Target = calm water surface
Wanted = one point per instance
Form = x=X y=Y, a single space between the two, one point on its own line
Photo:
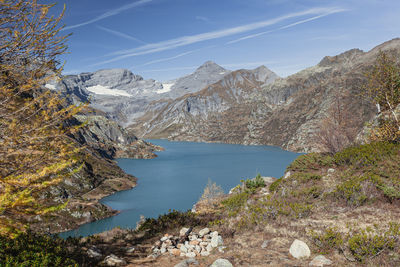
x=177 y=177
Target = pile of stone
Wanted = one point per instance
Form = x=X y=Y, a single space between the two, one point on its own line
x=188 y=243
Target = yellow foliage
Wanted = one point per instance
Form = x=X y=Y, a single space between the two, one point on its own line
x=36 y=151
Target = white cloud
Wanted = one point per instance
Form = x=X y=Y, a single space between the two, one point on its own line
x=176 y=56
x=202 y=18
x=109 y=13
x=284 y=27
x=121 y=34
x=186 y=40
x=168 y=58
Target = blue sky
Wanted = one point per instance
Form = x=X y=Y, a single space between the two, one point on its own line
x=165 y=39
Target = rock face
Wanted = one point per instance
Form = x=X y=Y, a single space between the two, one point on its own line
x=124 y=95
x=111 y=140
x=256 y=107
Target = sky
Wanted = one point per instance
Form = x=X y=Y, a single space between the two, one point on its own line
x=166 y=39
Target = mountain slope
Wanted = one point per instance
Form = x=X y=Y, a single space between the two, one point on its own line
x=286 y=113
x=180 y=118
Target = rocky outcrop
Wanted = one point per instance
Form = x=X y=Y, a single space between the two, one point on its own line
x=287 y=112
x=111 y=140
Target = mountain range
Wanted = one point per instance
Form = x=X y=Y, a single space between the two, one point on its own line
x=243 y=106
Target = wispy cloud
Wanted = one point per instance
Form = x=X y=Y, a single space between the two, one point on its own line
x=284 y=27
x=169 y=69
x=186 y=40
x=167 y=58
x=121 y=34
x=176 y=56
x=202 y=18
x=109 y=13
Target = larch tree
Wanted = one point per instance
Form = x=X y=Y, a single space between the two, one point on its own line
x=383 y=87
x=35 y=150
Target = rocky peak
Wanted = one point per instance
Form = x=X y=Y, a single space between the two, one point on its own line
x=210 y=67
x=263 y=74
x=349 y=55
x=116 y=76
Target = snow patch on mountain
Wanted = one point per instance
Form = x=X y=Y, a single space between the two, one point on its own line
x=166 y=88
x=105 y=90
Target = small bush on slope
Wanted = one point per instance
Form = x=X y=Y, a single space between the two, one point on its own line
x=41 y=250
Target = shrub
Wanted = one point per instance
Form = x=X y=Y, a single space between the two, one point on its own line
x=171 y=220
x=368 y=243
x=328 y=240
x=366 y=155
x=235 y=203
x=41 y=250
x=275 y=185
x=311 y=161
x=253 y=184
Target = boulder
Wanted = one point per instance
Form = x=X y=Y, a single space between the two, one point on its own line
x=216 y=241
x=320 y=261
x=183 y=231
x=94 y=253
x=221 y=263
x=187 y=262
x=191 y=254
x=112 y=260
x=203 y=232
x=299 y=249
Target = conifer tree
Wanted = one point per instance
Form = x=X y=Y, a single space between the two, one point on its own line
x=383 y=87
x=35 y=150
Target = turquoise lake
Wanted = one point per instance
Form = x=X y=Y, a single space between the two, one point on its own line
x=177 y=177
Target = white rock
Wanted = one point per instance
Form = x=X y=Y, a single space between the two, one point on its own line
x=191 y=255
x=183 y=231
x=216 y=241
x=221 y=249
x=205 y=253
x=93 y=253
x=299 y=249
x=215 y=233
x=286 y=175
x=265 y=244
x=203 y=232
x=320 y=261
x=112 y=260
x=209 y=248
x=164 y=238
x=221 y=263
x=130 y=250
x=163 y=250
x=184 y=249
x=330 y=170
x=187 y=262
